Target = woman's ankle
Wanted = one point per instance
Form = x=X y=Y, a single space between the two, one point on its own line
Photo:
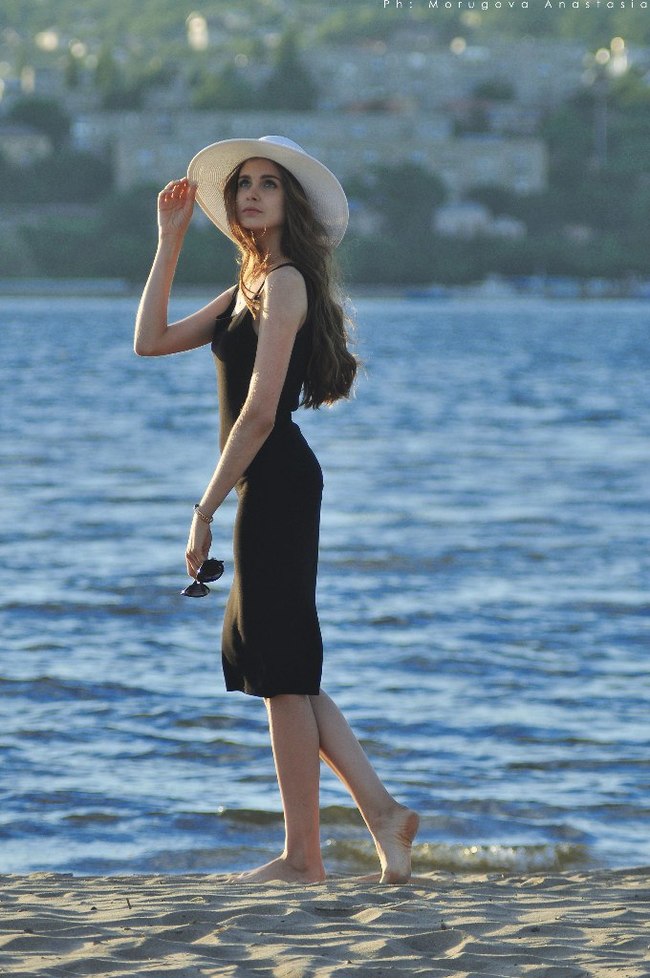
x=303 y=862
x=385 y=815
x=282 y=869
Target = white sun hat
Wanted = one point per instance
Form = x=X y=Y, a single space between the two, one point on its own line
x=212 y=165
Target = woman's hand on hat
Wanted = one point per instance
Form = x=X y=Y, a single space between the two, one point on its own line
x=175 y=206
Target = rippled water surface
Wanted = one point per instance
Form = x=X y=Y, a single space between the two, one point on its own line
x=483 y=593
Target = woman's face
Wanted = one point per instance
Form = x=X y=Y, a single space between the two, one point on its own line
x=260 y=196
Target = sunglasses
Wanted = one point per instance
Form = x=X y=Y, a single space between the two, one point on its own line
x=210 y=571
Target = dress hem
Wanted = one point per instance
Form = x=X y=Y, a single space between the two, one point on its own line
x=276 y=692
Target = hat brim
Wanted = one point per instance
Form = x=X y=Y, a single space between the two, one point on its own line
x=211 y=167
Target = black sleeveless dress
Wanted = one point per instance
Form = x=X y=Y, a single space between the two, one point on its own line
x=271 y=641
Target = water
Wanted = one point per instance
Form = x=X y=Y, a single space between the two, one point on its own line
x=483 y=593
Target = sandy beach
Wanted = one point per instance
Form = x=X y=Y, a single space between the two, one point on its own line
x=548 y=926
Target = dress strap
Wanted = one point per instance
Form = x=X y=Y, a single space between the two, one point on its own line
x=231 y=305
x=283 y=265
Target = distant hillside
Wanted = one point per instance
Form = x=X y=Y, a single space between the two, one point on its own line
x=159 y=25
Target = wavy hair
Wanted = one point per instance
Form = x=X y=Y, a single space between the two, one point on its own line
x=332 y=367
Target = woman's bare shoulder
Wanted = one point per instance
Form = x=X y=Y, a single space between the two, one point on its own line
x=284 y=296
x=287 y=280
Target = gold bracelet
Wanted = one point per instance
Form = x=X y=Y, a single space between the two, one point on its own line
x=201 y=515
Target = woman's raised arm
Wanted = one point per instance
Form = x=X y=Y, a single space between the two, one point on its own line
x=154 y=336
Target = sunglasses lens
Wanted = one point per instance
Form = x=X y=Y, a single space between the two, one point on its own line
x=195 y=590
x=210 y=570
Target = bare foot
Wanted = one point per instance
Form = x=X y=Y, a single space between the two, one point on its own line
x=281 y=869
x=393 y=838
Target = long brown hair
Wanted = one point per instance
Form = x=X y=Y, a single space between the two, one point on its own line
x=332 y=367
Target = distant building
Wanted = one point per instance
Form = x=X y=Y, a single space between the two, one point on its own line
x=467 y=219
x=500 y=117
x=517 y=164
x=541 y=71
x=505 y=226
x=463 y=219
x=364 y=220
x=154 y=147
x=21 y=144
x=513 y=118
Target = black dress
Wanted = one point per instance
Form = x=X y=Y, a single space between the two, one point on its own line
x=271 y=635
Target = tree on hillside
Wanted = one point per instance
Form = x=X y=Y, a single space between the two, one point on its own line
x=108 y=76
x=43 y=114
x=405 y=195
x=72 y=71
x=48 y=180
x=290 y=85
x=569 y=134
x=111 y=82
x=495 y=89
x=574 y=128
x=629 y=126
x=227 y=90
x=541 y=212
x=631 y=91
x=124 y=87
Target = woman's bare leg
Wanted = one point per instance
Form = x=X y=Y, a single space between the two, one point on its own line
x=295 y=742
x=392 y=826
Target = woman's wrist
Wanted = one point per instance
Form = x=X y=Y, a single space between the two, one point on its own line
x=170 y=242
x=170 y=245
x=202 y=515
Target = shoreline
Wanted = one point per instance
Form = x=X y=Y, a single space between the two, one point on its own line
x=553 y=925
x=491 y=288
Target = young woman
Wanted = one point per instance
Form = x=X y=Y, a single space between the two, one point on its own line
x=279 y=340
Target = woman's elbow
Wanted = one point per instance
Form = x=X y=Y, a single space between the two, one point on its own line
x=265 y=424
x=142 y=350
x=261 y=421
